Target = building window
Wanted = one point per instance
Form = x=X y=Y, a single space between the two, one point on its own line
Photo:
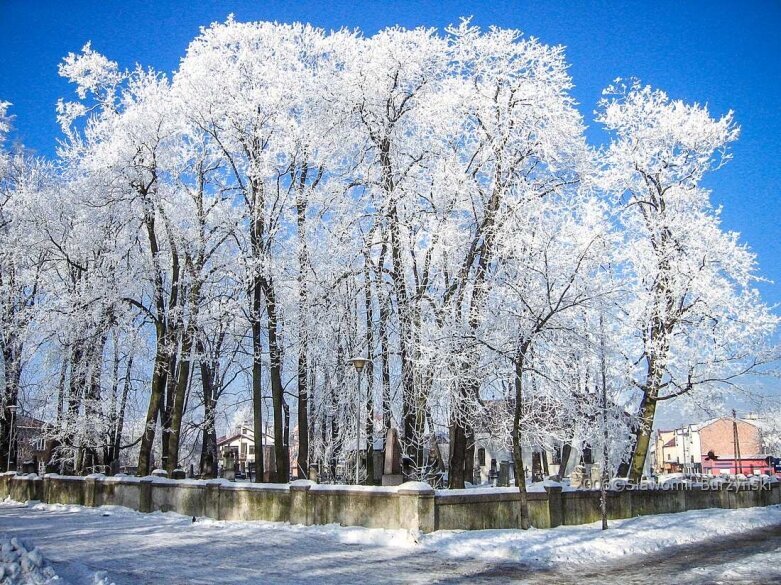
x=252 y=449
x=243 y=449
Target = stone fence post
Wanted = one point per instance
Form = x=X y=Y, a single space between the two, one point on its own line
x=145 y=494
x=211 y=504
x=91 y=489
x=299 y=502
x=5 y=483
x=555 y=505
x=416 y=506
x=25 y=488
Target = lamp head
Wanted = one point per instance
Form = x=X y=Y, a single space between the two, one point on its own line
x=359 y=363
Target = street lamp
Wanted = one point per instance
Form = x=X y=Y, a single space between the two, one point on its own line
x=12 y=408
x=359 y=363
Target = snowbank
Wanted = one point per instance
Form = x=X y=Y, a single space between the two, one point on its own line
x=588 y=544
x=21 y=564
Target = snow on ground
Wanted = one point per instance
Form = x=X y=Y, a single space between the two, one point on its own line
x=155 y=548
x=586 y=544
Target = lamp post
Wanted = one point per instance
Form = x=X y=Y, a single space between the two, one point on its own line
x=358 y=363
x=12 y=408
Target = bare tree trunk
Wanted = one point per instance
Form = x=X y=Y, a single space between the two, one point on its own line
x=385 y=374
x=282 y=454
x=209 y=457
x=303 y=346
x=479 y=256
x=162 y=363
x=409 y=401
x=180 y=393
x=118 y=429
x=334 y=417
x=159 y=380
x=303 y=409
x=10 y=396
x=94 y=362
x=642 y=438
x=369 y=374
x=642 y=434
x=458 y=449
x=520 y=475
x=71 y=449
x=108 y=447
x=257 y=387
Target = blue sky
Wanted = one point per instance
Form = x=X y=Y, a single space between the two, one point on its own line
x=726 y=54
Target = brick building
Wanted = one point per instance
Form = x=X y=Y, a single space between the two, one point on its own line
x=711 y=448
x=717 y=436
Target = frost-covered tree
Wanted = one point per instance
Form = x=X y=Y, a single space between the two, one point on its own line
x=694 y=320
x=291 y=198
x=22 y=180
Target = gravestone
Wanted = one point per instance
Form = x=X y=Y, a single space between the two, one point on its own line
x=504 y=474
x=178 y=473
x=391 y=472
x=378 y=460
x=159 y=473
x=577 y=477
x=596 y=474
x=229 y=469
x=537 y=474
x=493 y=474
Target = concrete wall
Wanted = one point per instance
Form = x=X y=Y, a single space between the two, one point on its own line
x=477 y=509
x=413 y=505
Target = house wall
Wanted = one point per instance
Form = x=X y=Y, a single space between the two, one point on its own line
x=718 y=437
x=412 y=506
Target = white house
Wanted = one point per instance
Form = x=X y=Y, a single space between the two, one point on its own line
x=241 y=443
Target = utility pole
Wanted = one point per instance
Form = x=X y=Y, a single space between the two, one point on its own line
x=736 y=443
